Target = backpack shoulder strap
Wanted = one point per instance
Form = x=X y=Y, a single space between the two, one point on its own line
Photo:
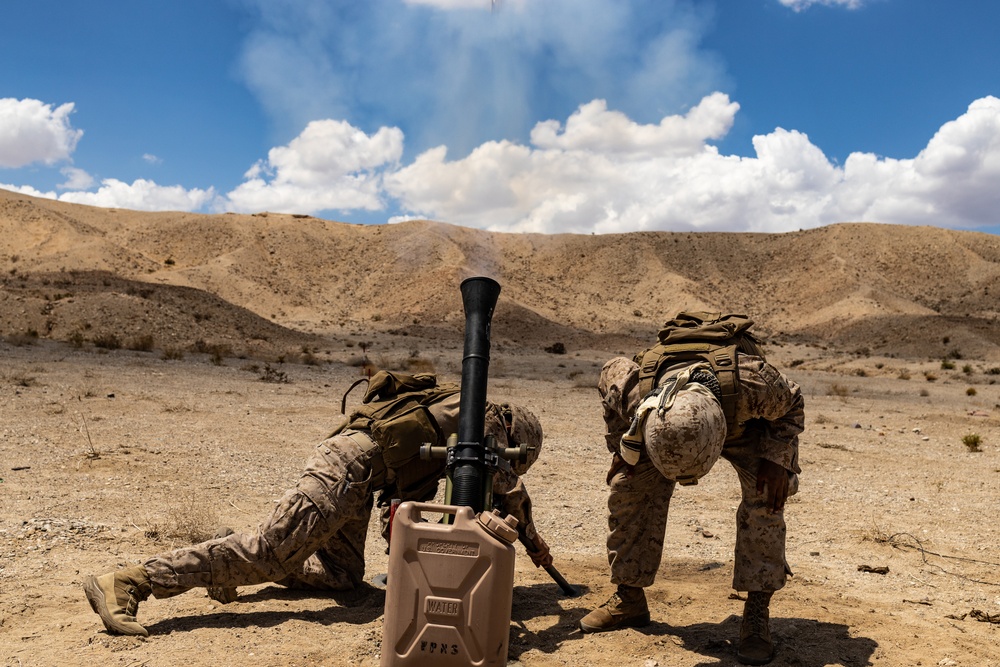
x=715 y=338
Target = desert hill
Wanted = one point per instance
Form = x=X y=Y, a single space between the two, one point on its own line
x=108 y=457
x=266 y=283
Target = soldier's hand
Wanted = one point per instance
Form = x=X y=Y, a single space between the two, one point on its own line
x=775 y=479
x=541 y=556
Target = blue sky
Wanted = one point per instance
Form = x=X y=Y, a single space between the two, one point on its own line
x=532 y=115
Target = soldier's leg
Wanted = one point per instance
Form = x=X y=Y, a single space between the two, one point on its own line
x=760 y=534
x=637 y=521
x=760 y=566
x=334 y=488
x=339 y=565
x=638 y=505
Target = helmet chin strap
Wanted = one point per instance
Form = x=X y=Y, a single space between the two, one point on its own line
x=691 y=378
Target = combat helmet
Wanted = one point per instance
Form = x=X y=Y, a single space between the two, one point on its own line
x=525 y=430
x=684 y=432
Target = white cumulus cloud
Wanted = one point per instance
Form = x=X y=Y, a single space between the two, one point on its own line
x=141 y=195
x=951 y=183
x=330 y=165
x=32 y=131
x=602 y=172
x=76 y=179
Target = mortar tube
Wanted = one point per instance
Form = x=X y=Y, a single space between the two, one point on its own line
x=468 y=473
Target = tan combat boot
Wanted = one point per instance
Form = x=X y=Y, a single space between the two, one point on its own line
x=115 y=597
x=625 y=609
x=756 y=647
x=218 y=593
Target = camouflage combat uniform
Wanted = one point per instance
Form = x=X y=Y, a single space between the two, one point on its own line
x=315 y=537
x=771 y=408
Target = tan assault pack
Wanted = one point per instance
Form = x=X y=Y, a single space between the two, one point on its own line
x=394 y=409
x=702 y=336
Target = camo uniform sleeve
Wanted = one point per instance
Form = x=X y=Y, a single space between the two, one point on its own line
x=509 y=491
x=775 y=400
x=617 y=388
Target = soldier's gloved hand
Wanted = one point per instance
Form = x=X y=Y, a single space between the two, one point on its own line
x=775 y=479
x=541 y=556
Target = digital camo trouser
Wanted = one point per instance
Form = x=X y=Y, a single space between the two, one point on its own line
x=638 y=505
x=314 y=538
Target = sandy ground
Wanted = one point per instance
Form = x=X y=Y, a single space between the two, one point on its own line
x=109 y=457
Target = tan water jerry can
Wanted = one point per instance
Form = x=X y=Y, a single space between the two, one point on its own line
x=449 y=588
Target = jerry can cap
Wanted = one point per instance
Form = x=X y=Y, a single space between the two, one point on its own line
x=503 y=528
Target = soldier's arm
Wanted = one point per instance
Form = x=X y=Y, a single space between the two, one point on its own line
x=768 y=395
x=511 y=496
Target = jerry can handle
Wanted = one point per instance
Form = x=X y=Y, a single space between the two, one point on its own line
x=414 y=510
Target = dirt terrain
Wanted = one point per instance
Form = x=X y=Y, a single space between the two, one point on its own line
x=230 y=365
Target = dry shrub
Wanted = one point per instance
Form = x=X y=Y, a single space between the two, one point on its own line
x=216 y=352
x=274 y=375
x=107 y=341
x=837 y=389
x=972 y=442
x=22 y=340
x=172 y=354
x=875 y=534
x=142 y=343
x=20 y=380
x=190 y=520
x=219 y=353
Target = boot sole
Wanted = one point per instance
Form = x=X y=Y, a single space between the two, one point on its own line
x=634 y=622
x=95 y=596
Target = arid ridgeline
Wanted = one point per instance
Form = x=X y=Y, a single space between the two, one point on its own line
x=267 y=282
